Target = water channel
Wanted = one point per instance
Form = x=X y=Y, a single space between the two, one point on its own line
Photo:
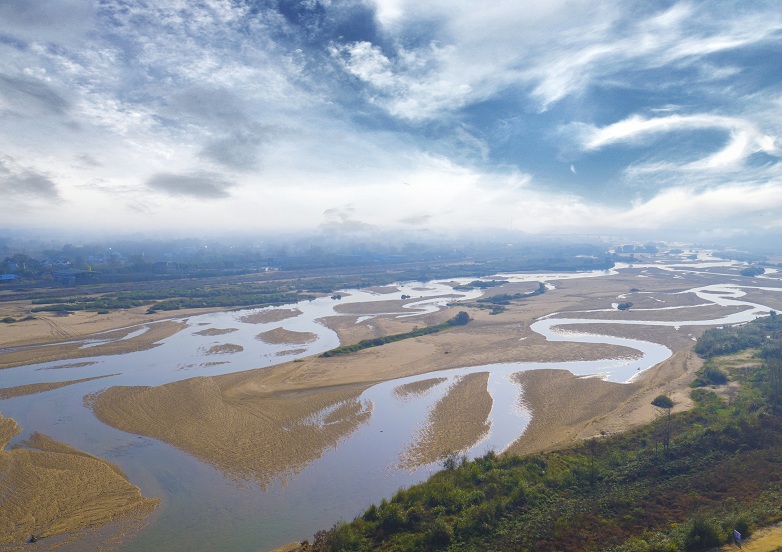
x=202 y=509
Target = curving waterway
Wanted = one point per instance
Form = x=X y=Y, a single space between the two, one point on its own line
x=202 y=509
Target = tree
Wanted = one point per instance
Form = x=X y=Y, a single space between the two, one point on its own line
x=664 y=402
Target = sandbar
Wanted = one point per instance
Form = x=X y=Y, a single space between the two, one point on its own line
x=51 y=489
x=235 y=424
x=416 y=388
x=216 y=331
x=34 y=388
x=271 y=315
x=456 y=422
x=33 y=354
x=281 y=335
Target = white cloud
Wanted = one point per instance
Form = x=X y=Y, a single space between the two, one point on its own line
x=745 y=138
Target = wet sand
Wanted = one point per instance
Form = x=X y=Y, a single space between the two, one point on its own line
x=417 y=388
x=33 y=388
x=216 y=331
x=458 y=420
x=41 y=353
x=567 y=408
x=279 y=336
x=49 y=327
x=51 y=489
x=266 y=316
x=238 y=424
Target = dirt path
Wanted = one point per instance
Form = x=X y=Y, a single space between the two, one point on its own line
x=765 y=539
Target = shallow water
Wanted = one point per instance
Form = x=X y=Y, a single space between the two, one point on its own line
x=204 y=510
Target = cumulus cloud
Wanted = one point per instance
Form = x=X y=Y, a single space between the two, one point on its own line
x=406 y=87
x=202 y=185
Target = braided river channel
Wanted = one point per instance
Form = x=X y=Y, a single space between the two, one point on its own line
x=204 y=509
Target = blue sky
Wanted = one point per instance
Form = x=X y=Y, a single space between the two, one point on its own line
x=660 y=119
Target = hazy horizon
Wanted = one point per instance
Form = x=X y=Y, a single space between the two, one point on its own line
x=380 y=117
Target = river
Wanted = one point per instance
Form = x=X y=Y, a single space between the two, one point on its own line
x=202 y=509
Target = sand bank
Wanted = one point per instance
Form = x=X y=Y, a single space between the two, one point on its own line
x=281 y=335
x=50 y=489
x=116 y=345
x=241 y=422
x=46 y=327
x=237 y=424
x=33 y=388
x=224 y=349
x=567 y=408
x=709 y=312
x=416 y=388
x=456 y=422
x=216 y=331
x=267 y=316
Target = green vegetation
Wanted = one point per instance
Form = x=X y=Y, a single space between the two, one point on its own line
x=480 y=285
x=459 y=320
x=624 y=306
x=506 y=298
x=89 y=303
x=12 y=320
x=753 y=271
x=721 y=469
x=763 y=332
x=174 y=298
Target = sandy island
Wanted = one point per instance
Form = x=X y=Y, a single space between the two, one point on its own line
x=459 y=419
x=279 y=336
x=50 y=489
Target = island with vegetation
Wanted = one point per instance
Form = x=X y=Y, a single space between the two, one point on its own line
x=459 y=320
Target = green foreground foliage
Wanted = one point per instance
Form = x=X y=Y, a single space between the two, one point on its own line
x=721 y=470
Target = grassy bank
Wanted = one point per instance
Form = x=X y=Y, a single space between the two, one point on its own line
x=459 y=320
x=721 y=471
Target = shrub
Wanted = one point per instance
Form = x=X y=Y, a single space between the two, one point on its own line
x=702 y=533
x=440 y=534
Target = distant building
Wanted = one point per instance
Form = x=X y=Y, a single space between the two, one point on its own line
x=72 y=276
x=5 y=278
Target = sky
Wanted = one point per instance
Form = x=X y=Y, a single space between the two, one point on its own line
x=657 y=119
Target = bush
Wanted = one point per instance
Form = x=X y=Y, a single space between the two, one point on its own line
x=702 y=533
x=710 y=375
x=440 y=534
